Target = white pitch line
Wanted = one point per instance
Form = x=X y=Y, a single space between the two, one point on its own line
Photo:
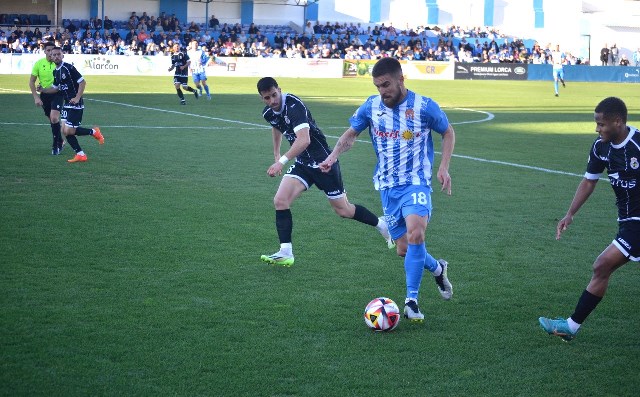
x=489 y=116
x=176 y=112
x=528 y=167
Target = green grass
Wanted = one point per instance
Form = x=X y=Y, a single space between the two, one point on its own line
x=138 y=272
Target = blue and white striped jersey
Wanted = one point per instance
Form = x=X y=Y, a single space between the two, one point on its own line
x=401 y=138
x=196 y=64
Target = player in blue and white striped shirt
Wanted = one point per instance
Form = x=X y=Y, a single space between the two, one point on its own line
x=400 y=124
x=558 y=58
x=198 y=63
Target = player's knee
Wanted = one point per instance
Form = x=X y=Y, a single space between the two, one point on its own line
x=601 y=267
x=415 y=236
x=280 y=203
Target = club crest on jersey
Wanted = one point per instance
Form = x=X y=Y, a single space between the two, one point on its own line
x=409 y=114
x=286 y=120
x=634 y=164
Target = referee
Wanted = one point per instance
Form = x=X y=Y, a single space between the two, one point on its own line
x=51 y=103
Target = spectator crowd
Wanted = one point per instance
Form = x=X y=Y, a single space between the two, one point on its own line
x=150 y=35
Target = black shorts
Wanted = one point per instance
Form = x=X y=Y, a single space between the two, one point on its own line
x=180 y=80
x=72 y=116
x=330 y=182
x=628 y=240
x=51 y=102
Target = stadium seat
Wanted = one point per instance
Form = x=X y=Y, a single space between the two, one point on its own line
x=24 y=18
x=44 y=19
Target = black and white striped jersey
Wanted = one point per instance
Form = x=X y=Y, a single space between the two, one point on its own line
x=178 y=60
x=622 y=163
x=294 y=116
x=67 y=79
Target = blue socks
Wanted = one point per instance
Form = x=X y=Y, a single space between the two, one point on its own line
x=430 y=263
x=414 y=263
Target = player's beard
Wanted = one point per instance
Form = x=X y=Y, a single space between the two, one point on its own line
x=392 y=100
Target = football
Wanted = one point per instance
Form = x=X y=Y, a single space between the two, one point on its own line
x=382 y=314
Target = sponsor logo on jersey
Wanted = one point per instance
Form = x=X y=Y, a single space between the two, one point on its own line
x=407 y=135
x=385 y=134
x=623 y=183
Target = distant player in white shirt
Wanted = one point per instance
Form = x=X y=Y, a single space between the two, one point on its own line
x=199 y=60
x=558 y=58
x=400 y=124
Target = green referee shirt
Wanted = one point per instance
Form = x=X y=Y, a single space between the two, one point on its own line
x=43 y=70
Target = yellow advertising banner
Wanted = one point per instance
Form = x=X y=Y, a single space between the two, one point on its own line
x=419 y=70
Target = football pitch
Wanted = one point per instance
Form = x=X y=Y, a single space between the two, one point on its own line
x=138 y=272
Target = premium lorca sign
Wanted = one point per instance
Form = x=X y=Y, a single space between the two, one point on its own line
x=490 y=71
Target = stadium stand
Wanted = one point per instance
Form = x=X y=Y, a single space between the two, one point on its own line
x=337 y=40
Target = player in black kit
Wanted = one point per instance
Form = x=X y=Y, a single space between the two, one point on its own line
x=618 y=151
x=180 y=62
x=289 y=116
x=70 y=83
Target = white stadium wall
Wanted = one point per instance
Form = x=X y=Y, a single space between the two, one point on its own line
x=344 y=11
x=74 y=9
x=408 y=13
x=225 y=12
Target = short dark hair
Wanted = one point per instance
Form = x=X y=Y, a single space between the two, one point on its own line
x=612 y=107
x=56 y=48
x=386 y=66
x=49 y=44
x=266 y=83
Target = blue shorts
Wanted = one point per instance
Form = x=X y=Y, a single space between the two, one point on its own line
x=202 y=76
x=399 y=202
x=628 y=240
x=558 y=72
